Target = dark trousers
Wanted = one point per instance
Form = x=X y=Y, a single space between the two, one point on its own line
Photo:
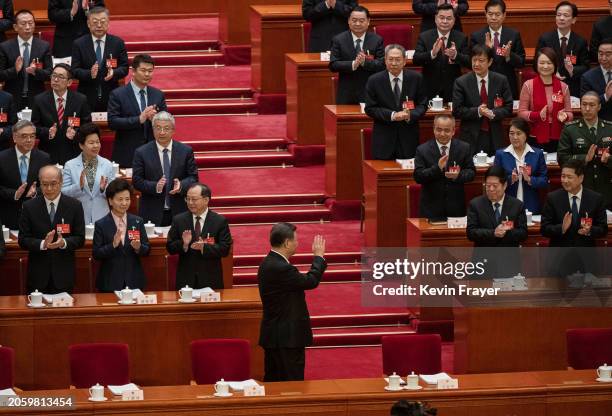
x=284 y=364
x=166 y=218
x=550 y=147
x=484 y=143
x=50 y=289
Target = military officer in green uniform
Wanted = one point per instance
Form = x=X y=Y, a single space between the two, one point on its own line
x=590 y=139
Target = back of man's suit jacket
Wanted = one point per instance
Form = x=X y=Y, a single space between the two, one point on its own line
x=326 y=22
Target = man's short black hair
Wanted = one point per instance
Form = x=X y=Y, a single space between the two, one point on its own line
x=362 y=10
x=86 y=130
x=204 y=189
x=406 y=408
x=23 y=11
x=496 y=171
x=605 y=41
x=493 y=3
x=65 y=67
x=479 y=49
x=445 y=6
x=281 y=232
x=116 y=186
x=577 y=165
x=571 y=5
x=142 y=58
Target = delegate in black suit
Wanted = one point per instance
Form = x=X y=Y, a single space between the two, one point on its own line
x=394 y=139
x=14 y=81
x=44 y=116
x=481 y=222
x=442 y=197
x=466 y=100
x=8 y=117
x=577 y=46
x=602 y=29
x=439 y=73
x=593 y=80
x=147 y=171
x=351 y=84
x=326 y=22
x=2 y=245
x=7 y=18
x=286 y=322
x=123 y=117
x=84 y=57
x=55 y=267
x=427 y=9
x=119 y=266
x=10 y=180
x=200 y=269
x=68 y=27
x=500 y=64
x=557 y=205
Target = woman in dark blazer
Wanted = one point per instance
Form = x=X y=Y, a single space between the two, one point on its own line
x=525 y=166
x=119 y=240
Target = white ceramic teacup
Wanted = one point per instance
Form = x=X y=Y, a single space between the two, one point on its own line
x=481 y=158
x=436 y=103
x=126 y=296
x=96 y=392
x=89 y=231
x=6 y=233
x=150 y=229
x=222 y=388
x=412 y=381
x=604 y=372
x=362 y=106
x=115 y=169
x=186 y=294
x=25 y=114
x=394 y=382
x=35 y=298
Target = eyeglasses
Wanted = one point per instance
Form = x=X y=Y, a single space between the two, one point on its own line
x=100 y=22
x=163 y=129
x=58 y=77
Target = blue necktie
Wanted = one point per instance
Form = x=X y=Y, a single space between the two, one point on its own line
x=497 y=213
x=51 y=212
x=99 y=51
x=575 y=217
x=26 y=63
x=168 y=178
x=143 y=100
x=23 y=169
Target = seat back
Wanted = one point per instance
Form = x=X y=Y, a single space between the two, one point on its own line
x=393 y=33
x=215 y=359
x=104 y=363
x=7 y=368
x=366 y=144
x=414 y=200
x=171 y=267
x=403 y=354
x=589 y=347
x=93 y=267
x=306 y=27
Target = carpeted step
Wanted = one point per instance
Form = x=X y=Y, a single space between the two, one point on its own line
x=273 y=214
x=333 y=273
x=299 y=258
x=148 y=46
x=356 y=336
x=389 y=319
x=212 y=106
x=260 y=200
x=202 y=76
x=236 y=144
x=200 y=93
x=189 y=57
x=243 y=159
x=166 y=28
x=228 y=127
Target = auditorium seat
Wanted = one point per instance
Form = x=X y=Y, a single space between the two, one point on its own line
x=403 y=354
x=306 y=27
x=216 y=359
x=400 y=34
x=104 y=363
x=589 y=347
x=444 y=328
x=7 y=367
x=366 y=154
x=93 y=267
x=171 y=266
x=414 y=198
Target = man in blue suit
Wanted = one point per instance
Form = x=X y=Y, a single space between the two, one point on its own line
x=163 y=170
x=599 y=79
x=131 y=109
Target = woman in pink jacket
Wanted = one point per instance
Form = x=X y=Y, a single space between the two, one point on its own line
x=545 y=102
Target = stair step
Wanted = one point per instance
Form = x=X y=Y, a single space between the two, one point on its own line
x=243 y=159
x=357 y=336
x=236 y=144
x=189 y=57
x=333 y=273
x=274 y=214
x=198 y=93
x=389 y=319
x=206 y=106
x=171 y=45
x=259 y=200
x=246 y=260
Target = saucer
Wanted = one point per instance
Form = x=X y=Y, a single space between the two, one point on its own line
x=413 y=388
x=91 y=399
x=181 y=300
x=390 y=389
x=481 y=165
x=604 y=380
x=130 y=303
x=433 y=109
x=31 y=305
x=223 y=395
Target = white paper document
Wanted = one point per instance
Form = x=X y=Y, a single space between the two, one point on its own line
x=49 y=298
x=240 y=385
x=118 y=390
x=8 y=392
x=197 y=293
x=433 y=378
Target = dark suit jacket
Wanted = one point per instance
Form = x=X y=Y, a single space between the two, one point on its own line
x=8 y=18
x=84 y=57
x=44 y=115
x=466 y=100
x=602 y=29
x=326 y=23
x=427 y=8
x=399 y=138
x=576 y=45
x=200 y=269
x=442 y=197
x=123 y=117
x=67 y=28
x=351 y=84
x=286 y=322
x=440 y=73
x=481 y=222
x=557 y=205
x=10 y=180
x=7 y=106
x=2 y=245
x=500 y=65
x=13 y=81
x=58 y=264
x=119 y=266
x=148 y=170
x=593 y=80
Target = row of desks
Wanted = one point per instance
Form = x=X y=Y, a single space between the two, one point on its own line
x=554 y=393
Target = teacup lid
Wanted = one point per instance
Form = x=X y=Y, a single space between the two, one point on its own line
x=188 y=288
x=127 y=289
x=606 y=367
x=394 y=375
x=97 y=386
x=221 y=382
x=36 y=292
x=412 y=373
x=481 y=153
x=436 y=98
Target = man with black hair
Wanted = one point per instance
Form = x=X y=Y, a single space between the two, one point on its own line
x=406 y=408
x=602 y=29
x=427 y=9
x=285 y=327
x=70 y=18
x=599 y=79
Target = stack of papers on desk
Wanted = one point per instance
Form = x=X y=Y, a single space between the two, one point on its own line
x=197 y=293
x=49 y=298
x=7 y=392
x=434 y=378
x=118 y=390
x=240 y=385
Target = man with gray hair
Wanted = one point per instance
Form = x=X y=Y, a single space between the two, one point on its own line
x=69 y=17
x=396 y=100
x=19 y=168
x=163 y=170
x=99 y=60
x=51 y=229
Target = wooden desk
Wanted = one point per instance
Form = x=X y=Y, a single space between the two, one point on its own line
x=552 y=393
x=276 y=29
x=158 y=335
x=13 y=277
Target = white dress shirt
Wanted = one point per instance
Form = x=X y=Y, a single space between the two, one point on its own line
x=561 y=35
x=64 y=101
x=493 y=32
x=22 y=47
x=160 y=152
x=501 y=206
x=355 y=46
x=48 y=204
x=399 y=83
x=578 y=200
x=102 y=44
x=202 y=219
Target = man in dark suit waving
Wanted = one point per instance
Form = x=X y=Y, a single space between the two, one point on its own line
x=51 y=229
x=599 y=79
x=396 y=100
x=328 y=18
x=131 y=109
x=163 y=171
x=99 y=60
x=509 y=54
x=356 y=54
x=201 y=238
x=285 y=327
x=481 y=100
x=70 y=18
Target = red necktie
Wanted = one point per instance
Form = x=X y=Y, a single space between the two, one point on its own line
x=484 y=99
x=198 y=228
x=563 y=47
x=60 y=110
x=496 y=41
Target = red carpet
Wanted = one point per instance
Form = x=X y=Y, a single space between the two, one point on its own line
x=231 y=127
x=238 y=76
x=168 y=29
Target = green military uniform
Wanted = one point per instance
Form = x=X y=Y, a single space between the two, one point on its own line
x=576 y=139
